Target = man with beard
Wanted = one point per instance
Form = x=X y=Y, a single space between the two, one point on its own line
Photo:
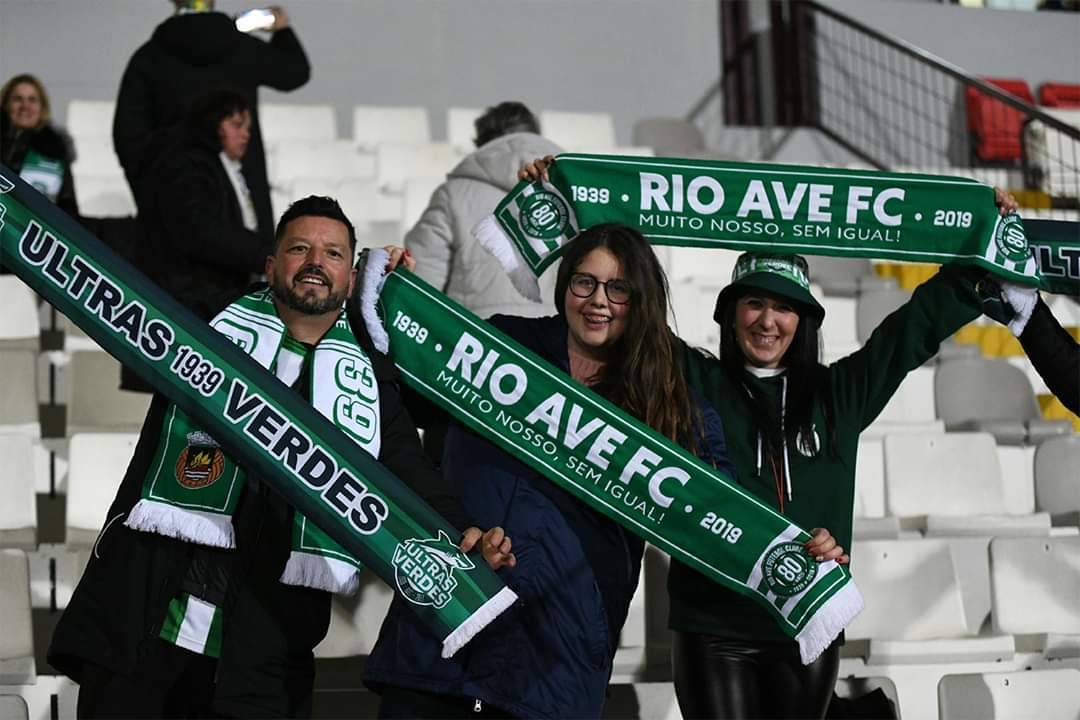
x=168 y=621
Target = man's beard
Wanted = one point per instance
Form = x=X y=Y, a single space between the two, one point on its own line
x=308 y=304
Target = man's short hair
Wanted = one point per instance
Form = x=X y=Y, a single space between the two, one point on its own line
x=315 y=206
x=503 y=119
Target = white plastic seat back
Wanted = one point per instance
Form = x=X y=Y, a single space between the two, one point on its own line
x=949 y=474
x=98 y=462
x=17 y=638
x=910 y=589
x=90 y=118
x=397 y=162
x=18 y=509
x=870 y=478
x=1042 y=694
x=290 y=121
x=334 y=159
x=19 y=325
x=913 y=401
x=1035 y=584
x=355 y=620
x=18 y=393
x=579 y=131
x=415 y=199
x=1057 y=465
x=96 y=401
x=375 y=124
x=104 y=195
x=461 y=127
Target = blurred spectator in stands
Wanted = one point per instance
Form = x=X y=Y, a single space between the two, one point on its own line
x=30 y=145
x=197 y=222
x=194 y=51
x=507 y=137
x=1052 y=351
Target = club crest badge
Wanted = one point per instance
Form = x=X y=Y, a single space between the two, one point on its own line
x=201 y=463
x=424 y=569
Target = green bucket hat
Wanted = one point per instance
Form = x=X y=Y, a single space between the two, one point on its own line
x=783 y=275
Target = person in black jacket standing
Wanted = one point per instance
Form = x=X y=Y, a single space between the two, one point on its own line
x=121 y=637
x=197 y=230
x=195 y=51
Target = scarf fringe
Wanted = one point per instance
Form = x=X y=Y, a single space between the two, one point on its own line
x=478 y=621
x=371 y=283
x=194 y=526
x=828 y=621
x=321 y=573
x=492 y=238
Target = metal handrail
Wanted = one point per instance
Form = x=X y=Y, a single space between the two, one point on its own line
x=945 y=66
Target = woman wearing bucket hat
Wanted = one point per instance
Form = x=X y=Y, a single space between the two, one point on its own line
x=792 y=426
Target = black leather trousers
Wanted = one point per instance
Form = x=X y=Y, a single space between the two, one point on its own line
x=727 y=678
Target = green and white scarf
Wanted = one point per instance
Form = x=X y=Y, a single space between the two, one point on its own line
x=193 y=488
x=44 y=174
x=268 y=428
x=610 y=460
x=756 y=206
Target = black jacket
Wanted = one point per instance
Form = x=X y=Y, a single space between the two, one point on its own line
x=266 y=667
x=47 y=142
x=1054 y=354
x=189 y=56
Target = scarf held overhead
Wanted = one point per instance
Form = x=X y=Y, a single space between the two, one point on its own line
x=744 y=206
x=613 y=462
x=265 y=426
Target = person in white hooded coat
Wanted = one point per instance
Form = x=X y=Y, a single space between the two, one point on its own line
x=447 y=255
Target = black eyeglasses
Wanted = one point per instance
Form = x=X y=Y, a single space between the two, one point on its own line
x=584 y=285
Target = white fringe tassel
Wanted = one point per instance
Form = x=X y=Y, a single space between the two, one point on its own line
x=491 y=237
x=191 y=525
x=478 y=621
x=321 y=573
x=371 y=284
x=827 y=623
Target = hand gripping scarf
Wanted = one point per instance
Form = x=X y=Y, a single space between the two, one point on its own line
x=260 y=423
x=772 y=208
x=610 y=460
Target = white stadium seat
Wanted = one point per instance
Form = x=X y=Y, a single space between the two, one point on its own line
x=461 y=128
x=290 y=121
x=18 y=509
x=96 y=403
x=375 y=124
x=90 y=118
x=98 y=462
x=1044 y=694
x=335 y=159
x=104 y=195
x=355 y=620
x=19 y=324
x=397 y=162
x=579 y=131
x=18 y=393
x=416 y=198
x=16 y=641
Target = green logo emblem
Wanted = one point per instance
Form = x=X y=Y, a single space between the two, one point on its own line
x=788 y=569
x=1010 y=239
x=544 y=215
x=424 y=570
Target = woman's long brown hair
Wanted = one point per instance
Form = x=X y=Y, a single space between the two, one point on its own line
x=642 y=375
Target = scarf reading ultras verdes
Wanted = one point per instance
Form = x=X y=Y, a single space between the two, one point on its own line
x=770 y=208
x=261 y=423
x=609 y=460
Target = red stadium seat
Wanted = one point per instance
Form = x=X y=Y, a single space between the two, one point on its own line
x=996 y=126
x=1063 y=95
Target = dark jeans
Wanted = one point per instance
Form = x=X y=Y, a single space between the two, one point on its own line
x=726 y=678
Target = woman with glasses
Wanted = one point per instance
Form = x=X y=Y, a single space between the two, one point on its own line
x=576 y=570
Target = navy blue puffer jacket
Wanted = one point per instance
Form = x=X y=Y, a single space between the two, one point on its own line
x=550 y=655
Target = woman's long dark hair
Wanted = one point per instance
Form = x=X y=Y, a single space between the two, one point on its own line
x=808 y=384
x=641 y=375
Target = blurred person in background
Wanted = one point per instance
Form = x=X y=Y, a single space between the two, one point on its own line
x=198 y=236
x=507 y=137
x=192 y=52
x=32 y=146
